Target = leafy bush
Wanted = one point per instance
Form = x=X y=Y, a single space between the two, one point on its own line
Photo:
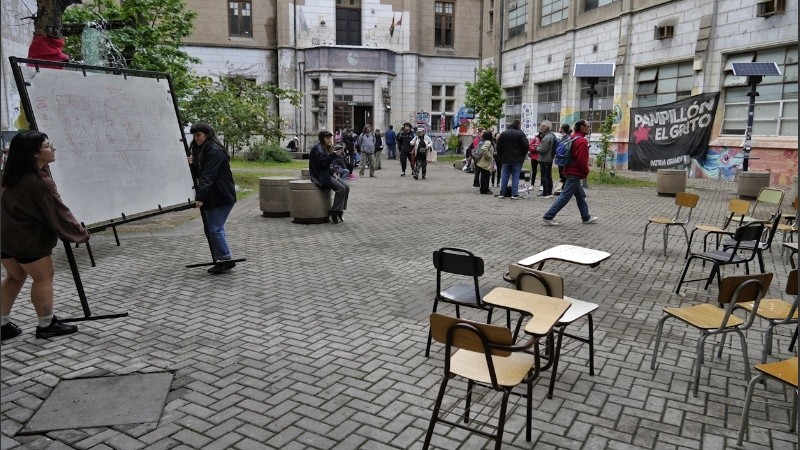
x=453 y=143
x=263 y=151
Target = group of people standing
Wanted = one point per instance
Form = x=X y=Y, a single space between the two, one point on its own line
x=508 y=152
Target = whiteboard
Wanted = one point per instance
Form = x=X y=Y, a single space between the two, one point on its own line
x=118 y=142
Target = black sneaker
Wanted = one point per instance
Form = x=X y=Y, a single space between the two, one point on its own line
x=9 y=330
x=222 y=266
x=55 y=328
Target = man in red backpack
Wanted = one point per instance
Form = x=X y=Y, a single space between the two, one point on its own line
x=576 y=170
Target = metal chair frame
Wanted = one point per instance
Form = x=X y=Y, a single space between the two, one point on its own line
x=682 y=200
x=763 y=243
x=750 y=231
x=736 y=207
x=737 y=285
x=777 y=371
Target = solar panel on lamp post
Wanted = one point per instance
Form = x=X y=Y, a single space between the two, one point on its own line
x=754 y=71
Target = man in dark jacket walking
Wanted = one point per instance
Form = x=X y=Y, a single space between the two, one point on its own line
x=512 y=148
x=575 y=171
x=404 y=145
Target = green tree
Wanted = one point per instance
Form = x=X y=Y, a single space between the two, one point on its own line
x=605 y=140
x=485 y=98
x=238 y=109
x=149 y=39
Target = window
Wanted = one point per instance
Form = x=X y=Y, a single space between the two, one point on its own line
x=240 y=18
x=517 y=17
x=436 y=122
x=548 y=105
x=776 y=105
x=603 y=100
x=514 y=96
x=443 y=99
x=348 y=22
x=664 y=84
x=594 y=4
x=554 y=11
x=444 y=22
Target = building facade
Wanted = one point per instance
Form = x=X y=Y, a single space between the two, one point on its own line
x=393 y=61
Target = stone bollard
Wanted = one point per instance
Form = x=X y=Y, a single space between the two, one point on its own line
x=273 y=196
x=749 y=184
x=308 y=203
x=670 y=181
x=305 y=174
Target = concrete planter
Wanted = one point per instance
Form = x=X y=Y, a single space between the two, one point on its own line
x=273 y=196
x=308 y=203
x=305 y=174
x=750 y=183
x=670 y=181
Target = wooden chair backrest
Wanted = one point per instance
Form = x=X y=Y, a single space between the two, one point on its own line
x=791 y=283
x=457 y=261
x=539 y=282
x=748 y=292
x=467 y=339
x=686 y=199
x=738 y=206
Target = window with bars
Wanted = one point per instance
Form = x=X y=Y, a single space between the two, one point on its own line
x=348 y=22
x=240 y=18
x=436 y=122
x=603 y=100
x=443 y=99
x=776 y=105
x=517 y=17
x=548 y=103
x=444 y=23
x=554 y=11
x=664 y=84
x=594 y=4
x=514 y=96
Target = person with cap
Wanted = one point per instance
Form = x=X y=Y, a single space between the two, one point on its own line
x=319 y=168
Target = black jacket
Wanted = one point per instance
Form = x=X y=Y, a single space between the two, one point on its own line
x=512 y=146
x=319 y=166
x=404 y=141
x=214 y=180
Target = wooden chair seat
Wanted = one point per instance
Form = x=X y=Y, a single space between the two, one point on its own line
x=510 y=370
x=711 y=229
x=705 y=316
x=683 y=200
x=578 y=309
x=785 y=370
x=665 y=220
x=771 y=309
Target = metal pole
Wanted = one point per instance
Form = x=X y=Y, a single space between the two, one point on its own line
x=751 y=109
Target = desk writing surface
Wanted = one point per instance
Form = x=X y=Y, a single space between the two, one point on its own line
x=569 y=253
x=790 y=245
x=545 y=311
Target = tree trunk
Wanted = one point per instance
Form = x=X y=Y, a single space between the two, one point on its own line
x=48 y=17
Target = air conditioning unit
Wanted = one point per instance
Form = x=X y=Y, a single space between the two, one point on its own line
x=770 y=7
x=665 y=32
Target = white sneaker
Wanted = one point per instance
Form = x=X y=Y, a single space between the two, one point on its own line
x=590 y=221
x=541 y=188
x=550 y=222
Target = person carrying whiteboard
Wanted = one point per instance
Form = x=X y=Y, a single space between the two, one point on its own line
x=215 y=192
x=32 y=219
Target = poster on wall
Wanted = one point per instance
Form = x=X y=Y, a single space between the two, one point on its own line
x=662 y=136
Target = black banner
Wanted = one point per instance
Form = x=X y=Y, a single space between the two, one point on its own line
x=661 y=136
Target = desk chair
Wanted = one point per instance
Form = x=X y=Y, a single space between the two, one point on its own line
x=682 y=200
x=711 y=320
x=784 y=371
x=552 y=285
x=777 y=312
x=758 y=245
x=748 y=232
x=485 y=355
x=767 y=203
x=736 y=208
x=461 y=262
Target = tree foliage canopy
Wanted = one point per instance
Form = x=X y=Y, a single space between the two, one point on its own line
x=485 y=98
x=238 y=109
x=150 y=39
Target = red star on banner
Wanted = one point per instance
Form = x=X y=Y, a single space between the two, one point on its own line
x=641 y=134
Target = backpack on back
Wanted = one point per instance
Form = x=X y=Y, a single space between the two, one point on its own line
x=477 y=152
x=563 y=154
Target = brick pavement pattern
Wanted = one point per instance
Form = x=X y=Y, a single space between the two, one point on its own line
x=317 y=341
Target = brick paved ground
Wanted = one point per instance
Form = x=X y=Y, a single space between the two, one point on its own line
x=317 y=340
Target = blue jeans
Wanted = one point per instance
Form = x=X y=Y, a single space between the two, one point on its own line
x=392 y=149
x=513 y=169
x=571 y=187
x=215 y=230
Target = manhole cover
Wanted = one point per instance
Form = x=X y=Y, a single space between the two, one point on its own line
x=102 y=401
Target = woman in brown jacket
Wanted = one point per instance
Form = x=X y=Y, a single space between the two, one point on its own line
x=32 y=219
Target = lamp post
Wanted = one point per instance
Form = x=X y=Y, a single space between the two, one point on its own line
x=754 y=71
